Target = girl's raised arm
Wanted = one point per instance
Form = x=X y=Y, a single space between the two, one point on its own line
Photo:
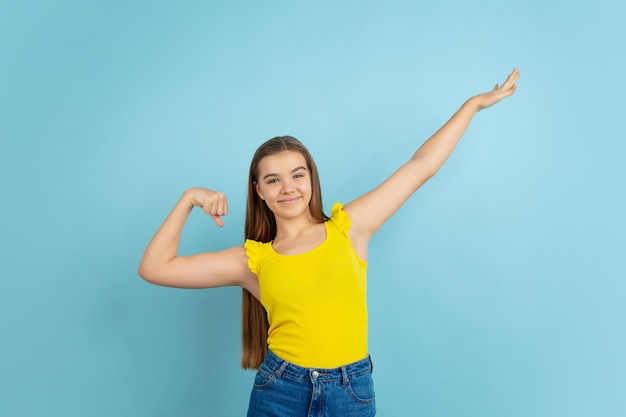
x=161 y=264
x=370 y=211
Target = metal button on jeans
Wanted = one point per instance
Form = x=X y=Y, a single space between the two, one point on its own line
x=315 y=374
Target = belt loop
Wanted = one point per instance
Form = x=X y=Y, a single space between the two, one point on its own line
x=371 y=364
x=281 y=369
x=344 y=376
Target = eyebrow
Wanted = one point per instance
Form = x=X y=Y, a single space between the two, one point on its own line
x=292 y=171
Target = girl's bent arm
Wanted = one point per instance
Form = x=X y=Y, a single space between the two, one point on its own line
x=371 y=210
x=161 y=264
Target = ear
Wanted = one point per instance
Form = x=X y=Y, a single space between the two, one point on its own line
x=258 y=190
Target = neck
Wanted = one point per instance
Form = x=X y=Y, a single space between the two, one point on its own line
x=290 y=227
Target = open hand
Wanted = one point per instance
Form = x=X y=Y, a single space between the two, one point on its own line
x=498 y=93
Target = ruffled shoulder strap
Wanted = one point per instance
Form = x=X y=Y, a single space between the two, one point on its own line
x=253 y=250
x=340 y=218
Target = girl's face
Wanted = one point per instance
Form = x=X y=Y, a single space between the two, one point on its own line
x=284 y=183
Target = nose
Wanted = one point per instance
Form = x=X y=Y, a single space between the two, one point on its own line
x=287 y=186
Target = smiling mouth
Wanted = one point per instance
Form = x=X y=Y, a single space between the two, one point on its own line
x=289 y=200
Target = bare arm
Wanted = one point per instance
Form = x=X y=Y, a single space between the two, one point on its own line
x=161 y=264
x=371 y=210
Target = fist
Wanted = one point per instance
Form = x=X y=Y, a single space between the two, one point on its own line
x=212 y=203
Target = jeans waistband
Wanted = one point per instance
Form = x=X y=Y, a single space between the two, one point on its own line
x=281 y=367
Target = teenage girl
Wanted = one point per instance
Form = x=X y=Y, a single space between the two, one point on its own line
x=304 y=315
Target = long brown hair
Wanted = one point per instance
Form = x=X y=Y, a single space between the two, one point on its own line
x=261 y=226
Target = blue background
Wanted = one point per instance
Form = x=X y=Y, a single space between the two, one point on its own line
x=497 y=290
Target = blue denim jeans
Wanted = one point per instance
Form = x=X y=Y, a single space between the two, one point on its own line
x=282 y=389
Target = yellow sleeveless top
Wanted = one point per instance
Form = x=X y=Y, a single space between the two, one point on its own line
x=315 y=301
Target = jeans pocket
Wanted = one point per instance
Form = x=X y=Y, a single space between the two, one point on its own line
x=361 y=388
x=263 y=378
